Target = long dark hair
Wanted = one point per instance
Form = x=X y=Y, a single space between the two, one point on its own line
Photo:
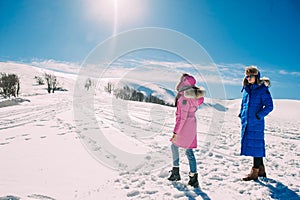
x=176 y=99
x=178 y=94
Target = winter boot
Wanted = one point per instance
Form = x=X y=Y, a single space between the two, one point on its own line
x=193 y=180
x=175 y=176
x=262 y=171
x=253 y=175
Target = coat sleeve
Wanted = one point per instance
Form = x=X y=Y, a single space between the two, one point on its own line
x=200 y=101
x=241 y=108
x=181 y=115
x=267 y=104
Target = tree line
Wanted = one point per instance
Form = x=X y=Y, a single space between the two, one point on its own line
x=128 y=93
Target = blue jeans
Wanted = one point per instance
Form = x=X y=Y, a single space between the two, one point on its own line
x=190 y=155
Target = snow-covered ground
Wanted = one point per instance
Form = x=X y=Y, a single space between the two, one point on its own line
x=46 y=151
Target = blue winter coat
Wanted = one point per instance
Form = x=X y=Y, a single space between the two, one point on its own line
x=256 y=104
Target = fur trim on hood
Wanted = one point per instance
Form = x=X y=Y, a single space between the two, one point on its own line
x=266 y=81
x=252 y=70
x=194 y=92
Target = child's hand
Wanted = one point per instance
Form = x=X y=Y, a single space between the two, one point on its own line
x=173 y=139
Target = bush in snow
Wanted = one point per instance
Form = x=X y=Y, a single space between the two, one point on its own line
x=9 y=85
x=88 y=84
x=39 y=80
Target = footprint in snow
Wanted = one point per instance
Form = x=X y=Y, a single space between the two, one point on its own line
x=40 y=197
x=61 y=133
x=133 y=193
x=9 y=198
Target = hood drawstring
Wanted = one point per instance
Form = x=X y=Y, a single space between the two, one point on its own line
x=243 y=89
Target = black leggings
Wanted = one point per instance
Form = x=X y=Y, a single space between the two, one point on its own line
x=257 y=161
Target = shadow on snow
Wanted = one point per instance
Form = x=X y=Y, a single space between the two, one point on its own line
x=190 y=194
x=217 y=106
x=278 y=190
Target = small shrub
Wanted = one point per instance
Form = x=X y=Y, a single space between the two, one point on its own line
x=9 y=85
x=39 y=80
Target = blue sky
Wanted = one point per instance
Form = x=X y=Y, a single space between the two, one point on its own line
x=234 y=33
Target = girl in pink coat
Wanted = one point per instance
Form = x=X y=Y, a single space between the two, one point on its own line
x=188 y=99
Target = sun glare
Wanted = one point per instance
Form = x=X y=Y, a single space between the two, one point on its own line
x=115 y=13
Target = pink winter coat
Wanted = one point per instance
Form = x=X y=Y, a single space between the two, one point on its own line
x=186 y=125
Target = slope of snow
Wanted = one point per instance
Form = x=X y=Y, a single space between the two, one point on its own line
x=46 y=151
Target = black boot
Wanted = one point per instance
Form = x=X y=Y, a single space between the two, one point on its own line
x=193 y=180
x=175 y=176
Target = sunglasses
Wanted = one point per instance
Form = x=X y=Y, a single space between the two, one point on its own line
x=250 y=76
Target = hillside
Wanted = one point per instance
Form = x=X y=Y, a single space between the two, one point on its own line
x=118 y=149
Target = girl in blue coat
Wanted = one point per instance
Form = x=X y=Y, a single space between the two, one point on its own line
x=256 y=104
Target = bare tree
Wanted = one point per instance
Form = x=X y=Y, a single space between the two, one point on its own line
x=54 y=84
x=109 y=88
x=51 y=81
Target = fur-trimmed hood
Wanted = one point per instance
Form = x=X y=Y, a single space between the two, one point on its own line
x=186 y=81
x=266 y=81
x=194 y=92
x=252 y=70
x=262 y=81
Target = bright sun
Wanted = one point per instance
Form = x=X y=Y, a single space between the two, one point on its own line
x=116 y=13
